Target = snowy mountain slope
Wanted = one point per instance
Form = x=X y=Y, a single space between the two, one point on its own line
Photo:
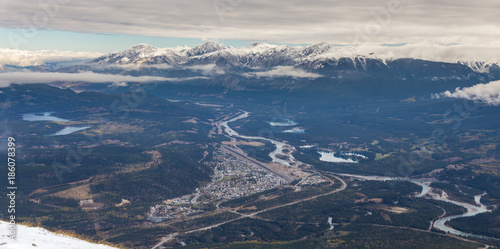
x=266 y=56
x=256 y=55
x=261 y=56
x=35 y=237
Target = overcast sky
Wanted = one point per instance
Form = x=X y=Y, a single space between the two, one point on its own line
x=238 y=22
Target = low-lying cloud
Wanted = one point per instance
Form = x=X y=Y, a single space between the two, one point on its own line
x=209 y=69
x=488 y=93
x=38 y=77
x=284 y=71
x=24 y=58
x=131 y=67
x=452 y=53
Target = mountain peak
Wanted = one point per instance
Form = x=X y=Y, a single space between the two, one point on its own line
x=205 y=48
x=142 y=46
x=317 y=48
x=256 y=44
x=320 y=44
x=260 y=45
x=210 y=43
x=262 y=55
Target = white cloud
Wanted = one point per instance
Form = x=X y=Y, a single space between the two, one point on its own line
x=368 y=21
x=131 y=66
x=284 y=71
x=208 y=69
x=485 y=52
x=23 y=58
x=488 y=93
x=38 y=77
x=118 y=84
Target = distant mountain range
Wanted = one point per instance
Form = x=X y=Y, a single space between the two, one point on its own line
x=289 y=68
x=317 y=69
x=260 y=59
x=315 y=57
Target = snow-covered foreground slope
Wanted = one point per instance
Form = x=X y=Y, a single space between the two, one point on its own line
x=36 y=237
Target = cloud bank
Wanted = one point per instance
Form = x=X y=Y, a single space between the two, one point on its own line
x=38 y=77
x=488 y=93
x=452 y=53
x=355 y=21
x=23 y=58
x=284 y=71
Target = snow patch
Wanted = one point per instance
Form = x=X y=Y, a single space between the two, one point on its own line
x=36 y=237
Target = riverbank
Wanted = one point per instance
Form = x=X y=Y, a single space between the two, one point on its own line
x=427 y=190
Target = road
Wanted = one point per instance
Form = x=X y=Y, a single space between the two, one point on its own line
x=242 y=156
x=232 y=134
x=165 y=240
x=253 y=215
x=45 y=189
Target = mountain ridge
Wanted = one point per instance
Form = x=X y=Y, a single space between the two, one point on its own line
x=265 y=56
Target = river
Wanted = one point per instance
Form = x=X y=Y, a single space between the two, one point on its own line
x=472 y=210
x=280 y=146
x=440 y=224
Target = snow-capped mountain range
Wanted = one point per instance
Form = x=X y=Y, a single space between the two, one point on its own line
x=261 y=56
x=238 y=68
x=255 y=55
x=260 y=67
x=266 y=56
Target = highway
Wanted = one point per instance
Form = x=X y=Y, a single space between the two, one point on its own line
x=242 y=156
x=254 y=215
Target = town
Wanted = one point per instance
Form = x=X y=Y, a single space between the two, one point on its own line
x=233 y=177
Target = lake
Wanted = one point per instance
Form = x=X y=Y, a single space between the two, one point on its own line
x=285 y=122
x=295 y=130
x=70 y=129
x=330 y=157
x=45 y=116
